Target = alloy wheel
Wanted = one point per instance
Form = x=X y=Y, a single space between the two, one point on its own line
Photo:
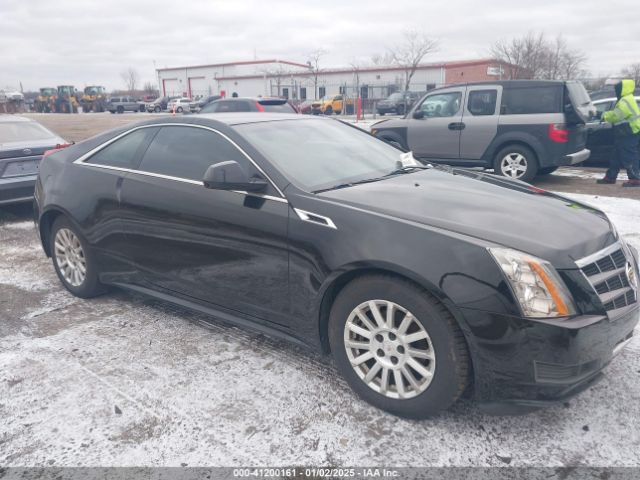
x=70 y=257
x=513 y=165
x=389 y=349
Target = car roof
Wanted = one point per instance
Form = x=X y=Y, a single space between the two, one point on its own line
x=14 y=118
x=254 y=99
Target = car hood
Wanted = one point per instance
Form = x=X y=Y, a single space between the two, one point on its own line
x=497 y=210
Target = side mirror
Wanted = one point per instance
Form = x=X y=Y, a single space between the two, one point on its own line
x=418 y=114
x=230 y=175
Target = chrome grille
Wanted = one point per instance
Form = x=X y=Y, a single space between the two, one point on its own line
x=606 y=270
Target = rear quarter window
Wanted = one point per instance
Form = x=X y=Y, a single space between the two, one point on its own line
x=282 y=108
x=531 y=100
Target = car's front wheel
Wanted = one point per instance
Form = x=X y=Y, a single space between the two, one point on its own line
x=517 y=162
x=157 y=109
x=120 y=109
x=398 y=347
x=73 y=261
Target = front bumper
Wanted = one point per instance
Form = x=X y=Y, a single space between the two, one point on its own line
x=17 y=189
x=520 y=364
x=577 y=157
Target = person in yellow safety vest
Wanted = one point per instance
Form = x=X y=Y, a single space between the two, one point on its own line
x=625 y=118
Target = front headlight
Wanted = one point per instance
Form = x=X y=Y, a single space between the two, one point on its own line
x=536 y=285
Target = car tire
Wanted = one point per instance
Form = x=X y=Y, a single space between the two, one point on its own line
x=547 y=170
x=338 y=112
x=516 y=162
x=120 y=109
x=157 y=109
x=400 y=110
x=179 y=109
x=439 y=354
x=381 y=113
x=73 y=260
x=328 y=111
x=112 y=111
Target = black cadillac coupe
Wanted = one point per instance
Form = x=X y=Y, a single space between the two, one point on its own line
x=423 y=282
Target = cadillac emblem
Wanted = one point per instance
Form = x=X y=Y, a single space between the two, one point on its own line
x=631 y=276
x=27 y=151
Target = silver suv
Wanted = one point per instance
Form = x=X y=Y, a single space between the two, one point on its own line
x=124 y=104
x=520 y=128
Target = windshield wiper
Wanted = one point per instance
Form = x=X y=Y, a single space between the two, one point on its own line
x=349 y=184
x=407 y=169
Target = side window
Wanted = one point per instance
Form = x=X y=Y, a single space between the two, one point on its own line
x=604 y=106
x=442 y=104
x=187 y=152
x=482 y=102
x=322 y=91
x=527 y=100
x=124 y=152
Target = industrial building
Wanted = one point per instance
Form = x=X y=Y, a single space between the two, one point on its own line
x=296 y=81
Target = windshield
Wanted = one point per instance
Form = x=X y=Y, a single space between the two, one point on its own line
x=578 y=94
x=23 y=132
x=320 y=154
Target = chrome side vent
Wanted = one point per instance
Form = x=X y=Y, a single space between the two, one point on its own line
x=315 y=218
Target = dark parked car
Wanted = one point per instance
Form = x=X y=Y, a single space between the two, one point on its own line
x=422 y=282
x=160 y=104
x=203 y=102
x=398 y=102
x=519 y=128
x=124 y=104
x=272 y=105
x=600 y=134
x=23 y=142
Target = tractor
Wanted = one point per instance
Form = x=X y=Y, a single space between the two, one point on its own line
x=94 y=99
x=67 y=101
x=45 y=102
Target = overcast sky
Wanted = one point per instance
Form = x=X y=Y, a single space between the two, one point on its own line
x=49 y=43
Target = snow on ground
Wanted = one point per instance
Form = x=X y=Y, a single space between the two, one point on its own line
x=580 y=173
x=122 y=380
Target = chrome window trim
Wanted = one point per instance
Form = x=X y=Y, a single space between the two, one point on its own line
x=83 y=159
x=589 y=259
x=183 y=180
x=304 y=216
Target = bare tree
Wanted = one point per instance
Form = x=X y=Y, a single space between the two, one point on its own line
x=313 y=61
x=410 y=52
x=533 y=56
x=149 y=88
x=130 y=78
x=632 y=72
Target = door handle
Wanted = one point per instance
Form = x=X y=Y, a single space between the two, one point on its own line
x=456 y=126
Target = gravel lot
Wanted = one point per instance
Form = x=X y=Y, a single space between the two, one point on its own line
x=122 y=380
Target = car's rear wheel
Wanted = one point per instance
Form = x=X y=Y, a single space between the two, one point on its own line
x=73 y=260
x=328 y=111
x=398 y=347
x=381 y=113
x=157 y=109
x=517 y=162
x=400 y=109
x=338 y=112
x=120 y=109
x=547 y=170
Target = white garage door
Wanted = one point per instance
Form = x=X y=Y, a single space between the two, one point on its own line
x=199 y=87
x=172 y=87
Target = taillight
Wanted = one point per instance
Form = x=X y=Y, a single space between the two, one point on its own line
x=259 y=107
x=558 y=133
x=56 y=148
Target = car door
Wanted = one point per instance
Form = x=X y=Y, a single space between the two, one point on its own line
x=435 y=132
x=218 y=247
x=479 y=120
x=600 y=134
